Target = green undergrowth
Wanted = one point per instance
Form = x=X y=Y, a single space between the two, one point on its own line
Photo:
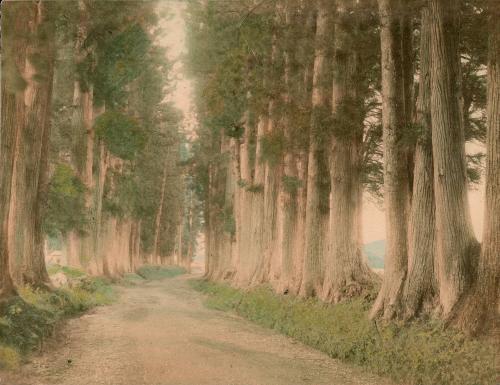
x=28 y=319
x=421 y=353
x=70 y=272
x=152 y=273
x=131 y=279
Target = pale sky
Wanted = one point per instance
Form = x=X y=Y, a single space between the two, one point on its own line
x=182 y=97
x=175 y=40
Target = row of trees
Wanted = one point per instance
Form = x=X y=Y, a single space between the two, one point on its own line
x=91 y=153
x=305 y=106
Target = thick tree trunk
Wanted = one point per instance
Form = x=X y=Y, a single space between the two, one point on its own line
x=287 y=193
x=214 y=225
x=229 y=185
x=37 y=98
x=288 y=214
x=420 y=287
x=479 y=310
x=244 y=226
x=247 y=273
x=9 y=132
x=12 y=119
x=395 y=162
x=346 y=273
x=270 y=178
x=159 y=213
x=457 y=249
x=236 y=201
x=270 y=269
x=99 y=196
x=313 y=264
x=83 y=126
x=14 y=47
x=300 y=225
x=305 y=101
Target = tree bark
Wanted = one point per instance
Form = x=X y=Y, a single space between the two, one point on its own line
x=245 y=197
x=287 y=202
x=396 y=190
x=12 y=117
x=420 y=287
x=478 y=312
x=313 y=260
x=159 y=213
x=346 y=274
x=37 y=99
x=83 y=125
x=249 y=266
x=457 y=248
x=300 y=162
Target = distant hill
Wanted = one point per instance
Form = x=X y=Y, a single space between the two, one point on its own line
x=375 y=252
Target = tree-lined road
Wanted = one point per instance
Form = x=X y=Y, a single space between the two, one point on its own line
x=159 y=333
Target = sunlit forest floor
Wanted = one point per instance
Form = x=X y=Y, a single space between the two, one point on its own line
x=159 y=332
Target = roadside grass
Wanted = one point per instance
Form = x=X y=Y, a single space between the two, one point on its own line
x=28 y=319
x=153 y=273
x=131 y=279
x=420 y=353
x=70 y=272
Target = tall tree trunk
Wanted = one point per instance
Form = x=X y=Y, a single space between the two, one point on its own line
x=396 y=190
x=420 y=287
x=305 y=103
x=244 y=227
x=249 y=265
x=37 y=98
x=83 y=126
x=287 y=202
x=229 y=173
x=271 y=268
x=9 y=131
x=99 y=196
x=300 y=226
x=480 y=309
x=159 y=213
x=346 y=274
x=236 y=202
x=313 y=265
x=457 y=249
x=14 y=28
x=212 y=227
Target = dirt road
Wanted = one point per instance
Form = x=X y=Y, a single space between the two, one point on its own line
x=159 y=333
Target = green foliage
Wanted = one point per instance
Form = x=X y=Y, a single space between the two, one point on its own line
x=153 y=273
x=10 y=359
x=421 y=353
x=121 y=133
x=235 y=130
x=131 y=279
x=66 y=202
x=273 y=147
x=25 y=325
x=30 y=318
x=229 y=221
x=121 y=60
x=70 y=272
x=242 y=183
x=291 y=184
x=475 y=167
x=255 y=188
x=347 y=122
x=322 y=121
